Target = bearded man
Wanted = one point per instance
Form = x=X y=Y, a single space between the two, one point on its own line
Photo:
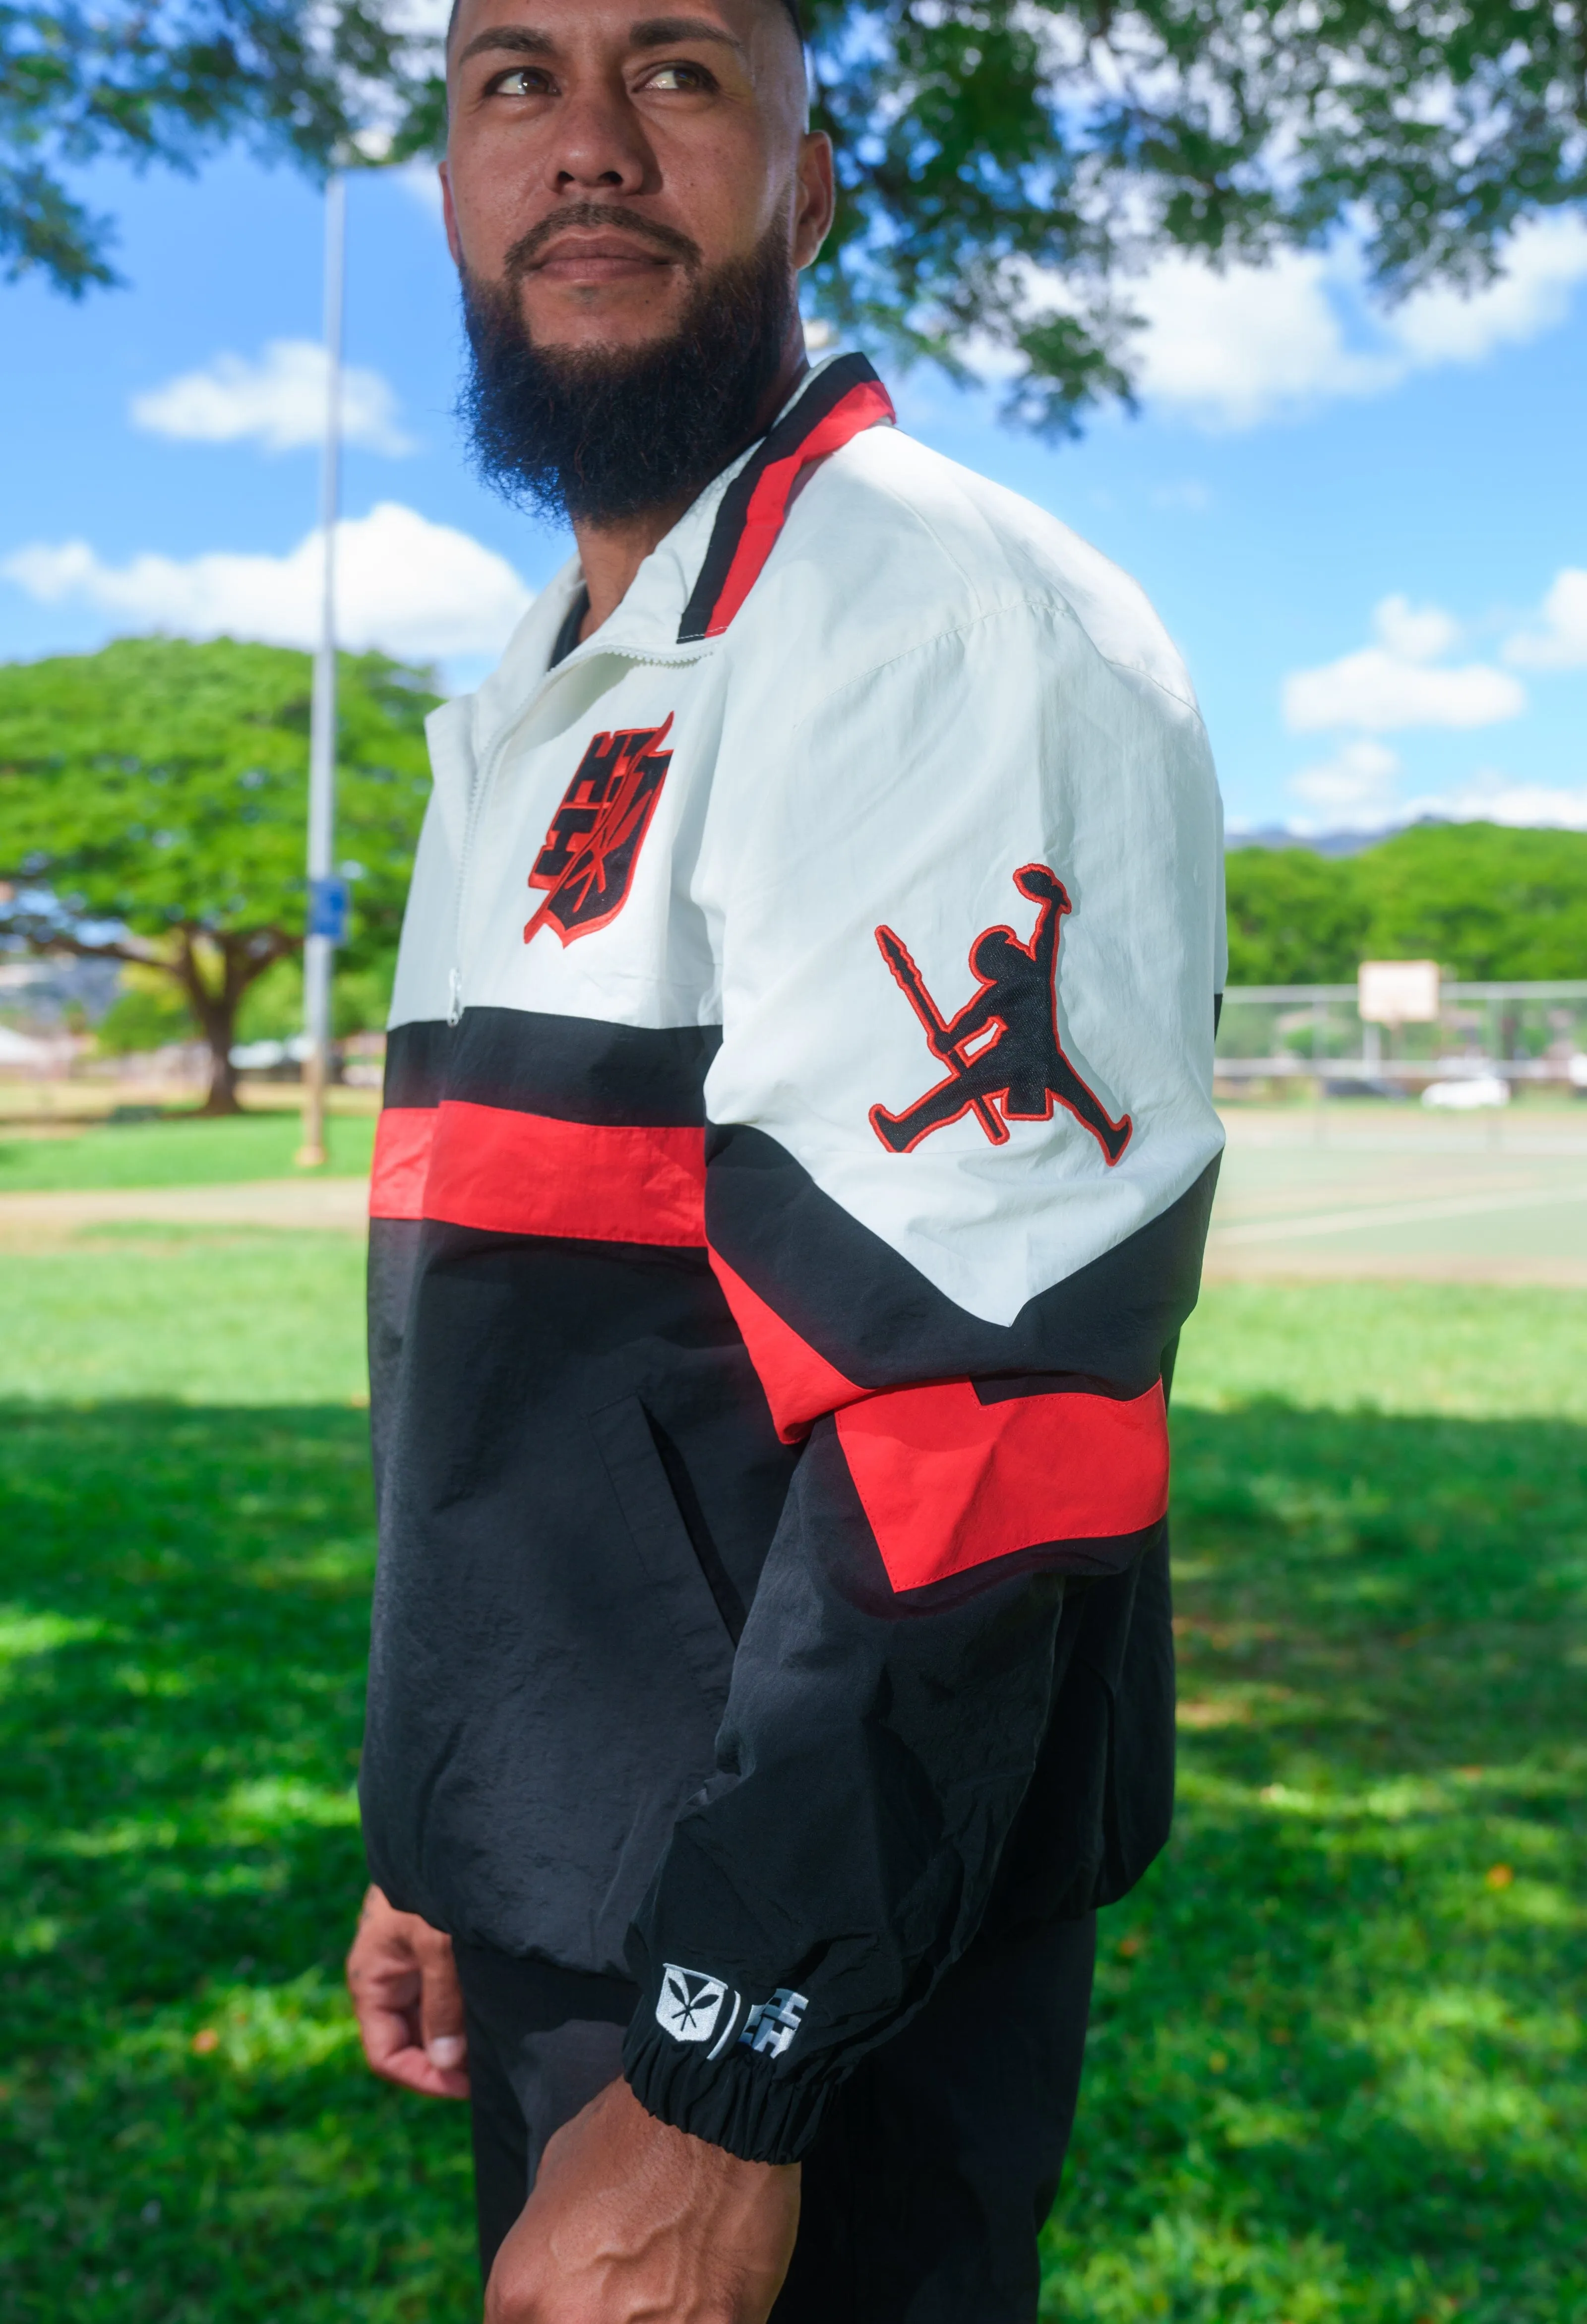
x=771 y=1669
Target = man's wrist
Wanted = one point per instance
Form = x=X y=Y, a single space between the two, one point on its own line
x=736 y=2102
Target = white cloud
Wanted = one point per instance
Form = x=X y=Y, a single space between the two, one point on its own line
x=278 y=401
x=1357 y=782
x=1394 y=684
x=1491 y=797
x=404 y=585
x=1414 y=633
x=1501 y=801
x=1547 y=258
x=1560 y=640
x=1379 y=692
x=1231 y=350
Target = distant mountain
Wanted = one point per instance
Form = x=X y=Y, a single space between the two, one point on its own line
x=1326 y=843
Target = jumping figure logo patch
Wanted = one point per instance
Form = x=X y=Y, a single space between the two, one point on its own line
x=1017 y=1073
x=593 y=846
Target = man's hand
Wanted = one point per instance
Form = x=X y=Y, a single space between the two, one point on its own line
x=408 y=2002
x=631 y=2219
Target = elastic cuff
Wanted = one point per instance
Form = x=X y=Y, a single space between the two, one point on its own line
x=738 y=2102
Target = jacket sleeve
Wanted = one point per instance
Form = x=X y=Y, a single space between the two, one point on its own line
x=957 y=1272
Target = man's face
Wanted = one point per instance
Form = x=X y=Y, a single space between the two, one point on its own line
x=603 y=154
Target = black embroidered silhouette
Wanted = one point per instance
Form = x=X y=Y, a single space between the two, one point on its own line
x=592 y=845
x=1022 y=1068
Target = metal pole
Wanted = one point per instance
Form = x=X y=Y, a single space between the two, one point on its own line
x=326 y=901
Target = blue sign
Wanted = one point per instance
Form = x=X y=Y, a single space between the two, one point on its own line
x=327 y=908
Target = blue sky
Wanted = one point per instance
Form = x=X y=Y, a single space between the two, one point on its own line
x=1368 y=534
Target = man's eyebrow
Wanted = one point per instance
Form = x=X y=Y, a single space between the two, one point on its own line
x=653 y=32
x=521 y=40
x=660 y=32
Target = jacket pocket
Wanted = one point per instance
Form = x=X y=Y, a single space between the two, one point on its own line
x=650 y=1511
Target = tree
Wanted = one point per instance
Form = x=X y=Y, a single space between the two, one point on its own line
x=1492 y=904
x=1004 y=165
x=1294 y=917
x=173 y=84
x=153 y=803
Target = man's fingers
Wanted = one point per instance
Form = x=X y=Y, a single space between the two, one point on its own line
x=389 y=2045
x=442 y=2029
x=407 y=2001
x=413 y=2068
x=387 y=2033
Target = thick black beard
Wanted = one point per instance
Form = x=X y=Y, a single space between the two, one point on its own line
x=605 y=433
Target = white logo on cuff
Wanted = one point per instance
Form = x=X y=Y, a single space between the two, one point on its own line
x=694 y=2007
x=690 y=2004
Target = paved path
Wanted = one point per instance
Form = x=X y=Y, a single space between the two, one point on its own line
x=1388 y=1194
x=37 y=1220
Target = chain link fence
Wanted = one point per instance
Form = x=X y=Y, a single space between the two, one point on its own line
x=1311 y=1038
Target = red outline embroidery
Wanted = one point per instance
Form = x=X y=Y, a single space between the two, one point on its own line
x=620 y=775
x=989 y=1100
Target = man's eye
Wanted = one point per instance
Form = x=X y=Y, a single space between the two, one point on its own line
x=523 y=80
x=689 y=77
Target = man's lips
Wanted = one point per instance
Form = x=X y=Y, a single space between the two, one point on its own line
x=599 y=257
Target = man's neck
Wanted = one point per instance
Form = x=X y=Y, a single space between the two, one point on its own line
x=612 y=554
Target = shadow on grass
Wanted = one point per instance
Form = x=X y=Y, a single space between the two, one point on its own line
x=1336 y=2065
x=188 y=2131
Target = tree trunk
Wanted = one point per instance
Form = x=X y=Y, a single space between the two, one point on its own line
x=215 y=1012
x=220 y=1034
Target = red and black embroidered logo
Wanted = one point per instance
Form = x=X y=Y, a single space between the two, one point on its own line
x=1016 y=1075
x=592 y=845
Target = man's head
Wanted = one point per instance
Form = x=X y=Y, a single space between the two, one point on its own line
x=631 y=191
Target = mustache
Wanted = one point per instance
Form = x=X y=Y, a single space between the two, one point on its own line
x=531 y=246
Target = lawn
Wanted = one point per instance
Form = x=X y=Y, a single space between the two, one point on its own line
x=1337 y=2071
x=176 y=1151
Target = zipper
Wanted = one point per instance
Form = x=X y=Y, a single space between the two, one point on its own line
x=476 y=799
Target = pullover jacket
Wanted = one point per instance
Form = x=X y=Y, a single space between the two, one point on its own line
x=796 y=1154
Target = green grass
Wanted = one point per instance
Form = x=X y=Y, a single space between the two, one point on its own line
x=1336 y=2074
x=230 y=1316
x=177 y=1152
x=181 y=1695
x=1337 y=2067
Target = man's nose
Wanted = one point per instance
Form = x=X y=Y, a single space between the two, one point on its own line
x=600 y=146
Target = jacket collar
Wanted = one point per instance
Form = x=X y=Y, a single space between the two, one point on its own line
x=688 y=590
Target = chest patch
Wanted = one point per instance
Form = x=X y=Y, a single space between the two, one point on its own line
x=592 y=848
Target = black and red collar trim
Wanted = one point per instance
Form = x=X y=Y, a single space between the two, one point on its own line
x=840 y=401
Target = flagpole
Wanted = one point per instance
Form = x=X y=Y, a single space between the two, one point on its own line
x=327 y=897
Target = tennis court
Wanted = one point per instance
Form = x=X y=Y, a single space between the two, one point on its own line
x=1373 y=1189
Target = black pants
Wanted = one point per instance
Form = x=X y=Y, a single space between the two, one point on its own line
x=936 y=2161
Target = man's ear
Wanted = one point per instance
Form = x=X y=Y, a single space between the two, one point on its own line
x=453 y=244
x=816 y=198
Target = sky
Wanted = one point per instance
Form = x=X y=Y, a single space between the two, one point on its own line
x=1367 y=531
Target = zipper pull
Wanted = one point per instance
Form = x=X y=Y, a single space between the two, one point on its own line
x=456 y=1008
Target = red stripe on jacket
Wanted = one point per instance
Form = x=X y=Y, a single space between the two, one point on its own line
x=511 y=1172
x=862 y=407
x=402 y=1137
x=949 y=1483
x=800 y=1384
